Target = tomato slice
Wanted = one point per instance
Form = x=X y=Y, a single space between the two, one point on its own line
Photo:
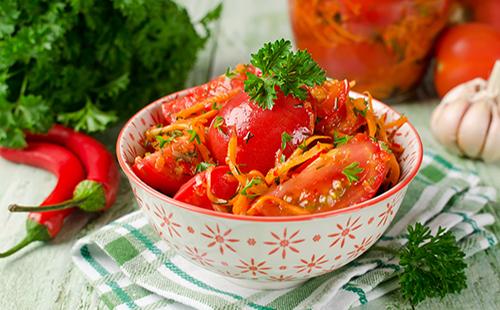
x=323 y=185
x=329 y=101
x=261 y=132
x=220 y=85
x=194 y=191
x=168 y=168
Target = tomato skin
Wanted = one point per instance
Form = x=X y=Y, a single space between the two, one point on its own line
x=259 y=131
x=485 y=11
x=331 y=111
x=220 y=84
x=316 y=185
x=170 y=167
x=463 y=53
x=194 y=191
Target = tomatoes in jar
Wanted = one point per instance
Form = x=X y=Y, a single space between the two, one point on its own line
x=382 y=45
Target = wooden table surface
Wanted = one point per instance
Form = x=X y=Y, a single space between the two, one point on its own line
x=43 y=277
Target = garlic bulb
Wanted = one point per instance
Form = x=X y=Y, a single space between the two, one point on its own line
x=467 y=121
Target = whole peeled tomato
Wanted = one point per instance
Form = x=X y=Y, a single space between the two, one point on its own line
x=259 y=131
x=463 y=53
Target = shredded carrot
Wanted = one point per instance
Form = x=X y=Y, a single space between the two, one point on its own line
x=285 y=206
x=207 y=103
x=282 y=169
x=397 y=123
x=394 y=171
x=163 y=130
x=232 y=150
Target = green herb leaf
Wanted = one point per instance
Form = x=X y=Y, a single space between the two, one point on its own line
x=284 y=69
x=433 y=265
x=89 y=119
x=230 y=73
x=351 y=172
x=339 y=140
x=285 y=138
x=161 y=141
x=57 y=56
x=218 y=121
x=248 y=185
x=216 y=106
x=203 y=166
x=193 y=136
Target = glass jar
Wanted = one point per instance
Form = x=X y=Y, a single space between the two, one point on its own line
x=381 y=44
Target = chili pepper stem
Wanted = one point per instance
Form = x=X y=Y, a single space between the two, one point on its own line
x=59 y=206
x=35 y=232
x=27 y=240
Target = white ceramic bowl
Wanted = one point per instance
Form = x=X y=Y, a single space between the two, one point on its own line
x=266 y=252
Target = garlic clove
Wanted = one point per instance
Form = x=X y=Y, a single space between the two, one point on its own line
x=473 y=128
x=491 y=150
x=445 y=121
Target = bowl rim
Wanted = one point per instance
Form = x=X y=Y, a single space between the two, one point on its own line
x=289 y=218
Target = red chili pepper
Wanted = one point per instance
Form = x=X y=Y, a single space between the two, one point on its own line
x=98 y=191
x=69 y=172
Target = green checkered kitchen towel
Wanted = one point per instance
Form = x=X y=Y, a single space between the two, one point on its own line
x=131 y=268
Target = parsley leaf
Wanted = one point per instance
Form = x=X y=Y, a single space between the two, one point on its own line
x=284 y=69
x=351 y=172
x=193 y=135
x=203 y=166
x=339 y=140
x=229 y=73
x=161 y=141
x=218 y=121
x=250 y=184
x=433 y=265
x=285 y=138
x=90 y=63
x=89 y=118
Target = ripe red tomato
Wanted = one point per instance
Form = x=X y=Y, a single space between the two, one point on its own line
x=329 y=101
x=463 y=53
x=260 y=131
x=485 y=11
x=324 y=186
x=219 y=85
x=168 y=168
x=194 y=191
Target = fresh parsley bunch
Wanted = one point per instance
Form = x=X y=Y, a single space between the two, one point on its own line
x=87 y=63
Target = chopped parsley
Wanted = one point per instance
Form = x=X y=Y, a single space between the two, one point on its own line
x=250 y=184
x=193 y=135
x=351 y=172
x=218 y=121
x=230 y=73
x=161 y=141
x=339 y=140
x=216 y=106
x=285 y=138
x=203 y=166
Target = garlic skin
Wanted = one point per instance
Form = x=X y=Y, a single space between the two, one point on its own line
x=467 y=121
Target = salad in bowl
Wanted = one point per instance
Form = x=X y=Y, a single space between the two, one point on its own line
x=270 y=173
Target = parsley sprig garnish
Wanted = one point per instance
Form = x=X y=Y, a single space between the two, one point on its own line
x=351 y=172
x=284 y=69
x=203 y=166
x=433 y=265
x=249 y=185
